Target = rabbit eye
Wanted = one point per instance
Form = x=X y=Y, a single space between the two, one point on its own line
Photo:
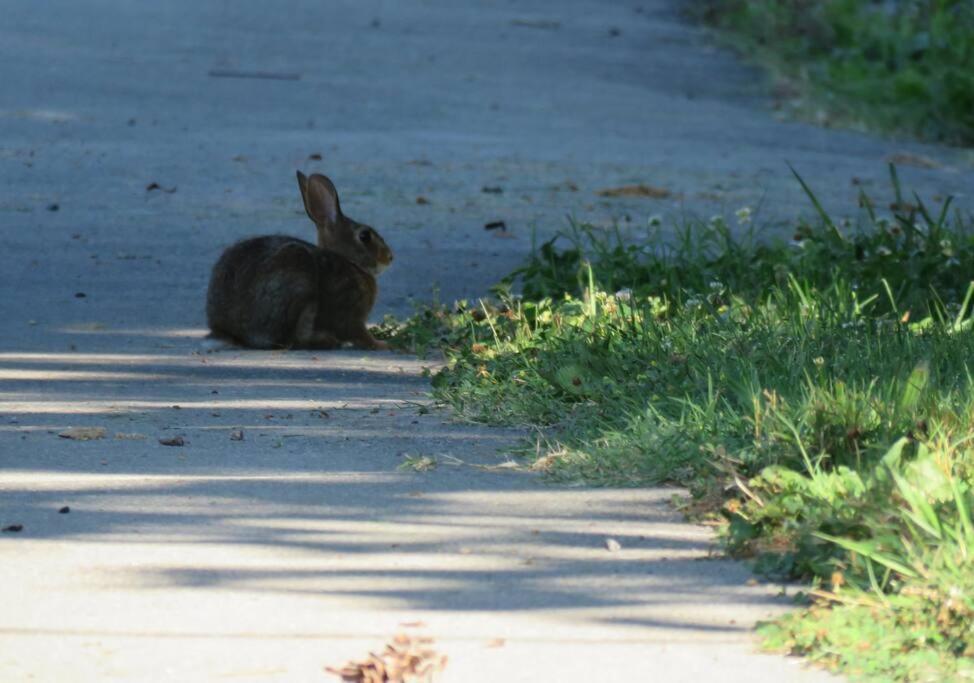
x=365 y=236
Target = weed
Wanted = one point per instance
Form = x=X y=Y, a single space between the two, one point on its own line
x=904 y=65
x=418 y=463
x=814 y=394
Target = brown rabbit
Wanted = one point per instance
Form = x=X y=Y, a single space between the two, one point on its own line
x=283 y=292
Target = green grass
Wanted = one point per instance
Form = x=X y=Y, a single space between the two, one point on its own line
x=901 y=65
x=815 y=394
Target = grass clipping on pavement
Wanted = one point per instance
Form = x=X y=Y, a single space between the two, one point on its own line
x=814 y=394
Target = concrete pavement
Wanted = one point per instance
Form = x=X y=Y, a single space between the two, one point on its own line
x=303 y=544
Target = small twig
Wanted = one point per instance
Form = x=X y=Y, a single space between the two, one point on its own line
x=266 y=75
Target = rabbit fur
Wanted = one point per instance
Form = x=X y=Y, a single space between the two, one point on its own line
x=277 y=291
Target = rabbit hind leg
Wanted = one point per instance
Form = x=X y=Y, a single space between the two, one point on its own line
x=307 y=337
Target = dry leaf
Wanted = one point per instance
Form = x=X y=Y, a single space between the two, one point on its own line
x=407 y=659
x=236 y=435
x=174 y=441
x=907 y=159
x=133 y=436
x=636 y=191
x=83 y=433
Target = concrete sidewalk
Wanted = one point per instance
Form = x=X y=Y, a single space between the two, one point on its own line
x=302 y=544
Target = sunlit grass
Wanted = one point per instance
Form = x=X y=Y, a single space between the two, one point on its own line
x=815 y=394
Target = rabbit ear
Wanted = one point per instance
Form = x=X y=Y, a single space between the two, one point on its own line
x=320 y=199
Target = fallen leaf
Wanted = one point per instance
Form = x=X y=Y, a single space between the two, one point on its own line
x=492 y=189
x=132 y=436
x=495 y=225
x=422 y=200
x=237 y=435
x=314 y=157
x=907 y=159
x=405 y=658
x=156 y=186
x=65 y=510
x=13 y=528
x=636 y=191
x=83 y=433
x=174 y=441
x=87 y=327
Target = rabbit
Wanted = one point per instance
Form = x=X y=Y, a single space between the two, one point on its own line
x=277 y=291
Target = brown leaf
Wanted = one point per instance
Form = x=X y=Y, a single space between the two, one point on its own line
x=422 y=200
x=639 y=190
x=405 y=658
x=126 y=436
x=907 y=159
x=83 y=433
x=174 y=441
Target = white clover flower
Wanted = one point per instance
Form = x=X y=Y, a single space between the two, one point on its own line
x=883 y=250
x=743 y=215
x=716 y=220
x=624 y=295
x=655 y=220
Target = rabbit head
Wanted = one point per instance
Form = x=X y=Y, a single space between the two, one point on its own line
x=357 y=242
